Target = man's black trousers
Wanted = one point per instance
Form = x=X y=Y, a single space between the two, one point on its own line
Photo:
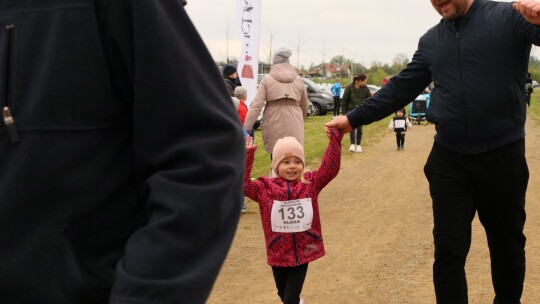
x=494 y=185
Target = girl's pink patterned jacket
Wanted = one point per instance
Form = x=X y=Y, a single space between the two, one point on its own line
x=293 y=249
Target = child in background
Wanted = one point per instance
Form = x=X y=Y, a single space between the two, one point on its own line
x=399 y=124
x=289 y=209
x=240 y=95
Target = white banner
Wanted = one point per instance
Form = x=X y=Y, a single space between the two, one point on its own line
x=249 y=15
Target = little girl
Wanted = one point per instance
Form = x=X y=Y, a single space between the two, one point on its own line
x=399 y=124
x=289 y=210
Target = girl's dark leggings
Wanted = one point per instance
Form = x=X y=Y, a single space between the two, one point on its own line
x=400 y=139
x=289 y=282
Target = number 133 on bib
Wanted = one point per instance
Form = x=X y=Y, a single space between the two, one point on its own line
x=292 y=216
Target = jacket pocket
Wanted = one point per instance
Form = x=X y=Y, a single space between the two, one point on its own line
x=54 y=73
x=313 y=235
x=274 y=241
x=88 y=286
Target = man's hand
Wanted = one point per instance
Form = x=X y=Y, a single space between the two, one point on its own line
x=341 y=123
x=529 y=9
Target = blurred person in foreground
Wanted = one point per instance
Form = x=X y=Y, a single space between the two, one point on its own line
x=111 y=186
x=477 y=56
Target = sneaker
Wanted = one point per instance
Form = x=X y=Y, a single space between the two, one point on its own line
x=358 y=149
x=352 y=149
x=243 y=210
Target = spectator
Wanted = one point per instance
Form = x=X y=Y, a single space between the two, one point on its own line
x=115 y=191
x=477 y=163
x=529 y=89
x=286 y=101
x=336 y=91
x=230 y=75
x=241 y=94
x=385 y=81
x=354 y=95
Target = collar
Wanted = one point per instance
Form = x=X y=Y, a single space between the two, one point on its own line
x=462 y=20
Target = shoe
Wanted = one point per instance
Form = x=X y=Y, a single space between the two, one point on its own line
x=398 y=148
x=243 y=210
x=352 y=149
x=402 y=147
x=301 y=301
x=358 y=149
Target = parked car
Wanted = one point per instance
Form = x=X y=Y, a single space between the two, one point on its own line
x=259 y=120
x=322 y=100
x=373 y=88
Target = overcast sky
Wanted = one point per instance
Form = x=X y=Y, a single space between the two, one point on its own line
x=364 y=30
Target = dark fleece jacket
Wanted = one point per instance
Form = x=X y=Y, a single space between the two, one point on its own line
x=117 y=189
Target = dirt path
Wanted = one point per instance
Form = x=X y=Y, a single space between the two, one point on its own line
x=377 y=222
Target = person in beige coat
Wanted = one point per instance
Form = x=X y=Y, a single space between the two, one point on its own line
x=285 y=96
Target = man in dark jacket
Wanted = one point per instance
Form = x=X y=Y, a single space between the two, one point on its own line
x=477 y=56
x=230 y=76
x=111 y=186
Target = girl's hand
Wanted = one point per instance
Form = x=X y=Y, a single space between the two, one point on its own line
x=341 y=123
x=249 y=143
x=333 y=132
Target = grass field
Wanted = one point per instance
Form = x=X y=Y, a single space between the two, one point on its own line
x=315 y=143
x=316 y=140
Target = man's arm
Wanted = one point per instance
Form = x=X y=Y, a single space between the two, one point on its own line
x=398 y=93
x=410 y=81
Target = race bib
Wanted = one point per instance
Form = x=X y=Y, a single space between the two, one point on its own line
x=292 y=216
x=399 y=124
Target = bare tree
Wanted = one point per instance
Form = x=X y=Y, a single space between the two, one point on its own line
x=401 y=59
x=299 y=44
x=227 y=38
x=269 y=46
x=324 y=50
x=352 y=62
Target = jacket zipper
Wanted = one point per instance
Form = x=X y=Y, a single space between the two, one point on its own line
x=458 y=38
x=7 y=54
x=294 y=234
